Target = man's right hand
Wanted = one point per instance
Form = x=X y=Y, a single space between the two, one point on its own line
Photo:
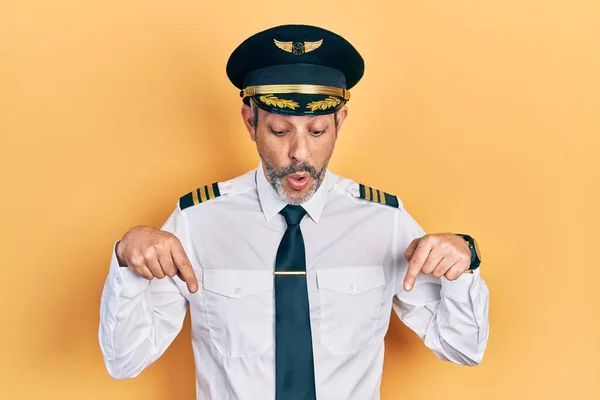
x=153 y=253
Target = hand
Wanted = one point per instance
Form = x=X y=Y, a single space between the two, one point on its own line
x=153 y=253
x=443 y=254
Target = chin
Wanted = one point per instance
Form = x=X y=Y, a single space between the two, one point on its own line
x=295 y=197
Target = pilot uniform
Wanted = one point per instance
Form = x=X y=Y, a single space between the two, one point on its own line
x=293 y=302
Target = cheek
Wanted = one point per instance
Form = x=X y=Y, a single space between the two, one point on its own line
x=272 y=149
x=323 y=150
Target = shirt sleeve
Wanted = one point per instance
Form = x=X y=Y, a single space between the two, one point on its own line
x=139 y=319
x=450 y=317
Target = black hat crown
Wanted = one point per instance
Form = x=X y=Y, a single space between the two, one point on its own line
x=295 y=69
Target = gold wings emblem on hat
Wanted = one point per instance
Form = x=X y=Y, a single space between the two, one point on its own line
x=298 y=48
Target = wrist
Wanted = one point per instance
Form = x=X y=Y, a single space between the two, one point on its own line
x=474 y=250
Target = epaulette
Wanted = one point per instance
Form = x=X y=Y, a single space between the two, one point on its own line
x=200 y=195
x=377 y=196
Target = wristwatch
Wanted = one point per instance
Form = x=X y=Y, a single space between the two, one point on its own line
x=475 y=253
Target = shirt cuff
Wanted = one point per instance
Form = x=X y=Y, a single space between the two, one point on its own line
x=130 y=283
x=459 y=289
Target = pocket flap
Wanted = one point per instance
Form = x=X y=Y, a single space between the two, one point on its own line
x=351 y=280
x=237 y=283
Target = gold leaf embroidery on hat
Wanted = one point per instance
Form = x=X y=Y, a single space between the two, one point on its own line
x=271 y=100
x=298 y=48
x=324 y=104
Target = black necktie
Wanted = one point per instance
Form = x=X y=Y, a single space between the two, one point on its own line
x=294 y=365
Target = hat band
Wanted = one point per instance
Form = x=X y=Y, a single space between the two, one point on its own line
x=300 y=89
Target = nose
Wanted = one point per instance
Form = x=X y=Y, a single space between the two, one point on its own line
x=299 y=148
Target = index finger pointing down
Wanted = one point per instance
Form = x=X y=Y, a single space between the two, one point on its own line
x=184 y=266
x=416 y=263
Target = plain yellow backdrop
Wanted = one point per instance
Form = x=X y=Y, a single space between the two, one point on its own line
x=483 y=116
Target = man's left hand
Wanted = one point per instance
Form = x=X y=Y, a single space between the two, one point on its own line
x=440 y=254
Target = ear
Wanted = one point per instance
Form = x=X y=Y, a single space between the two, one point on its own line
x=341 y=116
x=248 y=118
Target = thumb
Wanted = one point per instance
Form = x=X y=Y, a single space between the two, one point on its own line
x=411 y=249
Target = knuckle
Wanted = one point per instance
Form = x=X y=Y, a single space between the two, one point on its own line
x=463 y=258
x=184 y=264
x=171 y=240
x=149 y=253
x=136 y=259
x=171 y=272
x=159 y=246
x=144 y=273
x=451 y=275
x=456 y=253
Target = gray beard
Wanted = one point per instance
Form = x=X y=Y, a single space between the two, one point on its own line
x=276 y=179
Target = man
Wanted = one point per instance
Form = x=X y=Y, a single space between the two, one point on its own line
x=290 y=271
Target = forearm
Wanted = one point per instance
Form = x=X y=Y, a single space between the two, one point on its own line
x=138 y=320
x=455 y=324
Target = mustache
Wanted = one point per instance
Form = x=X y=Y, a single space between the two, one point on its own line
x=294 y=168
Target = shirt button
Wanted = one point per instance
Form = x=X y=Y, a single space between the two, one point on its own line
x=237 y=290
x=354 y=287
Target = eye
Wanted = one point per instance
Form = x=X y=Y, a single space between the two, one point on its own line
x=278 y=133
x=317 y=133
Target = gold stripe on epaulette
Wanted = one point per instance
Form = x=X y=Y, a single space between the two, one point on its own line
x=202 y=194
x=211 y=194
x=381 y=197
x=377 y=196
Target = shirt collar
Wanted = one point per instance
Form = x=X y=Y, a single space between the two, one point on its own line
x=272 y=203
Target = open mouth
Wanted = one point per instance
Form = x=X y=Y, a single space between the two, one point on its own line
x=298 y=181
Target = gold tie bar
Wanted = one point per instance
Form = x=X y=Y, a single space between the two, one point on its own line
x=290 y=272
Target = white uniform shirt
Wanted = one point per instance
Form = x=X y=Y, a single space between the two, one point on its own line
x=355 y=272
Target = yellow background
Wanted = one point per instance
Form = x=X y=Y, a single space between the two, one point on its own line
x=483 y=116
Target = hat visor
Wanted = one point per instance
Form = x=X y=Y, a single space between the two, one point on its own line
x=299 y=104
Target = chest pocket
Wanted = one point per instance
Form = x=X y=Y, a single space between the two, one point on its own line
x=239 y=308
x=351 y=303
